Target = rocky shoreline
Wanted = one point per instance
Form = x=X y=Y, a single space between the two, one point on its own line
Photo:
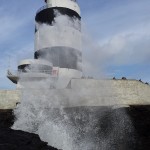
x=18 y=140
x=140 y=117
x=138 y=139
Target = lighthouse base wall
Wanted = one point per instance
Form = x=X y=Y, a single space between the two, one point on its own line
x=9 y=98
x=86 y=92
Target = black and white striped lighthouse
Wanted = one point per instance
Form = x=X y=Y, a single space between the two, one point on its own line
x=58 y=36
x=58 y=52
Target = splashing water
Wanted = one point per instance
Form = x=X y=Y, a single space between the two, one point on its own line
x=71 y=128
x=49 y=113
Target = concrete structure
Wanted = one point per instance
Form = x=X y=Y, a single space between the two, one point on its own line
x=9 y=98
x=58 y=49
x=58 y=58
x=58 y=36
x=87 y=92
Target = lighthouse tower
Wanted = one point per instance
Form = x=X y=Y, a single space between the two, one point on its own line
x=58 y=37
x=58 y=51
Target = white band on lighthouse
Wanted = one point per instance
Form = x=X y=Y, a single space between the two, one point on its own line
x=71 y=4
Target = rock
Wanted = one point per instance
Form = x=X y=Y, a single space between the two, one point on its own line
x=18 y=140
x=120 y=120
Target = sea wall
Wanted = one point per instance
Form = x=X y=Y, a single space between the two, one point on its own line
x=125 y=92
x=86 y=92
x=9 y=98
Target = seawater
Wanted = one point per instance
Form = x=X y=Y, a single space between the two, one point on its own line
x=65 y=127
x=72 y=128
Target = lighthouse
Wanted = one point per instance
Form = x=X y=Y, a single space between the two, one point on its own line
x=58 y=51
x=58 y=36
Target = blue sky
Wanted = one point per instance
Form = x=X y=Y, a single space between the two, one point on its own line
x=116 y=37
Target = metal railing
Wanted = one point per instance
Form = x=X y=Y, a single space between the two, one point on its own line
x=12 y=72
x=19 y=72
x=48 y=6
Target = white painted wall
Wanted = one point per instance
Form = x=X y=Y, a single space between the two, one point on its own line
x=65 y=76
x=51 y=36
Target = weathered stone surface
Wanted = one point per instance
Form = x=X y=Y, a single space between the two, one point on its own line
x=9 y=98
x=86 y=92
x=111 y=92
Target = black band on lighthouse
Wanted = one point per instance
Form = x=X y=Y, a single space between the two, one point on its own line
x=47 y=15
x=63 y=57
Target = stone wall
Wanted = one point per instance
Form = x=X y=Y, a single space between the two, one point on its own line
x=9 y=98
x=124 y=92
x=87 y=92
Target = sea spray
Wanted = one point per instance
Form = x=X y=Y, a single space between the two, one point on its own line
x=64 y=30
x=72 y=128
x=66 y=121
x=63 y=118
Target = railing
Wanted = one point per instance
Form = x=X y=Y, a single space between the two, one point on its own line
x=48 y=6
x=18 y=73
x=12 y=73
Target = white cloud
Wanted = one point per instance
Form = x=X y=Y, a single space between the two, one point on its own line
x=129 y=47
x=116 y=16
